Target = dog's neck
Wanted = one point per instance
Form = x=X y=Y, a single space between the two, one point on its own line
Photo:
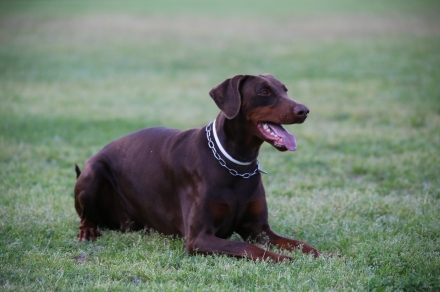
x=236 y=139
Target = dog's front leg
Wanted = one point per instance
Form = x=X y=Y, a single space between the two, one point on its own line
x=290 y=244
x=255 y=226
x=208 y=244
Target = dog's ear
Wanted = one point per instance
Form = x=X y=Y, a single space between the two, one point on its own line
x=226 y=96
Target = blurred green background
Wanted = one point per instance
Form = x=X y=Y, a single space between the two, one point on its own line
x=364 y=182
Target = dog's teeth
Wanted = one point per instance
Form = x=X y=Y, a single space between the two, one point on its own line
x=268 y=130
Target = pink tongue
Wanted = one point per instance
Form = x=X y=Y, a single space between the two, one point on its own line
x=289 y=140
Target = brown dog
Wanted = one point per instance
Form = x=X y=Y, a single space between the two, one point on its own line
x=201 y=184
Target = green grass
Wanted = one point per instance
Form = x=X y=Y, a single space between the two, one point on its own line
x=364 y=182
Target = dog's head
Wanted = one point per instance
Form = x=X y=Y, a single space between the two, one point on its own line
x=261 y=101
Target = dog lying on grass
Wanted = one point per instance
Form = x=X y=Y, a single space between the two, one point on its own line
x=201 y=184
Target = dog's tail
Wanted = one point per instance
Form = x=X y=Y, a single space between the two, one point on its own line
x=78 y=171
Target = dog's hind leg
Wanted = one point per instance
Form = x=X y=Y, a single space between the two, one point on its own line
x=88 y=228
x=90 y=182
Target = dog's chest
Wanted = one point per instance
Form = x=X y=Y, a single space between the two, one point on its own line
x=226 y=216
x=229 y=216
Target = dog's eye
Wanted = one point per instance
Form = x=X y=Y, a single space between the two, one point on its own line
x=264 y=92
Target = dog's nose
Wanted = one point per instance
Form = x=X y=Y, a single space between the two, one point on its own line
x=301 y=110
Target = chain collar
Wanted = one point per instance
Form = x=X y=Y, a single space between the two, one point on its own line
x=223 y=151
x=222 y=162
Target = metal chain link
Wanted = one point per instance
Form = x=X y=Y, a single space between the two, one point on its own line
x=223 y=163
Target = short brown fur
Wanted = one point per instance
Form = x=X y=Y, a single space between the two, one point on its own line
x=169 y=181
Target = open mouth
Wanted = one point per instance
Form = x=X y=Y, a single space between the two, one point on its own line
x=277 y=135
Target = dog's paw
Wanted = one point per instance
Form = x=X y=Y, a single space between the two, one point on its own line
x=88 y=234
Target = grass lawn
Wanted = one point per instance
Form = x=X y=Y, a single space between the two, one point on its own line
x=364 y=182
